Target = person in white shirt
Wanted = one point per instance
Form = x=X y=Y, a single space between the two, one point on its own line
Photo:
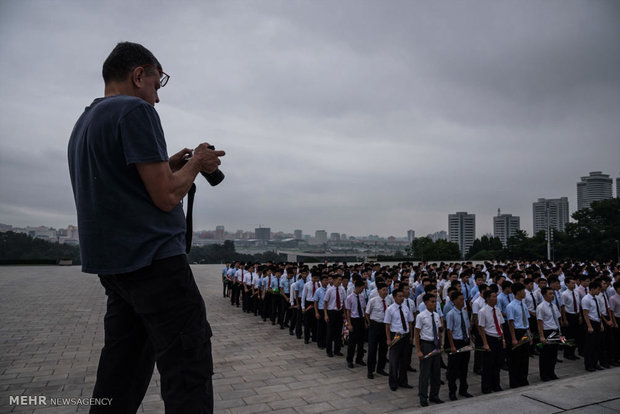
x=428 y=337
x=475 y=308
x=548 y=317
x=490 y=321
x=572 y=309
x=398 y=324
x=375 y=315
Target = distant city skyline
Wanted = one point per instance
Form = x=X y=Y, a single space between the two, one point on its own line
x=357 y=116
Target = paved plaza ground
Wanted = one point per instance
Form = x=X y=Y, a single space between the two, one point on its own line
x=51 y=333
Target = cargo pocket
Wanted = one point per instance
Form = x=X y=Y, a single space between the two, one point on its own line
x=197 y=359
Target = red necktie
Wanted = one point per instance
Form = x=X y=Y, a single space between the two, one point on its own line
x=269 y=287
x=338 y=298
x=606 y=307
x=313 y=290
x=383 y=300
x=574 y=302
x=499 y=330
x=241 y=275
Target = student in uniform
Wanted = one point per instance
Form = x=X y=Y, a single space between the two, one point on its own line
x=518 y=324
x=548 y=317
x=354 y=310
x=614 y=303
x=531 y=301
x=572 y=310
x=319 y=300
x=268 y=286
x=428 y=335
x=459 y=336
x=475 y=308
x=299 y=311
x=489 y=326
x=609 y=321
x=285 y=300
x=307 y=303
x=398 y=323
x=224 y=280
x=247 y=289
x=377 y=341
x=332 y=313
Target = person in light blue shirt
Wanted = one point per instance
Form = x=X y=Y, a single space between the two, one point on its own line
x=503 y=299
x=224 y=280
x=518 y=323
x=319 y=302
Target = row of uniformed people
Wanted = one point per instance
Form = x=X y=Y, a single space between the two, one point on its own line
x=332 y=315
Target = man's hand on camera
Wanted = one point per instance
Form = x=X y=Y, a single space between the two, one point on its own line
x=207 y=158
x=177 y=161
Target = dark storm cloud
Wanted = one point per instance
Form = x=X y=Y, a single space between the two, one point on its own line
x=350 y=116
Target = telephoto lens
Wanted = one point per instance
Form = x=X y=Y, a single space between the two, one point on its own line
x=216 y=176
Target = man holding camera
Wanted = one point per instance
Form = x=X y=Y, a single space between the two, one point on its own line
x=128 y=196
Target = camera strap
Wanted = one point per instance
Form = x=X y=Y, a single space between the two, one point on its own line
x=189 y=232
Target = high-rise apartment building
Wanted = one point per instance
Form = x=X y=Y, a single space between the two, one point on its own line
x=505 y=226
x=298 y=234
x=262 y=233
x=334 y=236
x=617 y=187
x=219 y=232
x=320 y=236
x=595 y=187
x=462 y=230
x=410 y=235
x=552 y=210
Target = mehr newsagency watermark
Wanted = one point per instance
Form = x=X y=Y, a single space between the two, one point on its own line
x=42 y=400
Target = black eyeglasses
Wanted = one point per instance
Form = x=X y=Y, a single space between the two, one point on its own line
x=163 y=76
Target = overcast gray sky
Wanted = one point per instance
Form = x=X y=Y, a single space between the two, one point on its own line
x=350 y=116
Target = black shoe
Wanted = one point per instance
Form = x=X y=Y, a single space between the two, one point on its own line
x=291 y=333
x=486 y=391
x=600 y=368
x=298 y=336
x=614 y=364
x=465 y=394
x=281 y=327
x=606 y=366
x=405 y=386
x=498 y=389
x=436 y=400
x=350 y=365
x=371 y=375
x=554 y=377
x=591 y=369
x=424 y=403
x=453 y=397
x=286 y=325
x=478 y=372
x=382 y=372
x=559 y=360
x=441 y=382
x=393 y=388
x=338 y=353
x=329 y=354
x=411 y=369
x=361 y=363
x=306 y=341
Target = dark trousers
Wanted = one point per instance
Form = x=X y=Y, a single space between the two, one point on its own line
x=491 y=364
x=548 y=358
x=356 y=340
x=534 y=331
x=518 y=362
x=430 y=369
x=398 y=364
x=592 y=345
x=334 y=331
x=377 y=342
x=457 y=368
x=236 y=292
x=309 y=322
x=155 y=315
x=293 y=319
x=478 y=355
x=284 y=309
x=267 y=305
x=225 y=287
x=573 y=331
x=276 y=305
x=247 y=295
x=607 y=346
x=299 y=321
x=321 y=330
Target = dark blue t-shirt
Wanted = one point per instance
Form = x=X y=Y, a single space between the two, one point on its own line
x=120 y=228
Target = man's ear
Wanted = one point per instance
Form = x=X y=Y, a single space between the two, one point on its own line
x=137 y=76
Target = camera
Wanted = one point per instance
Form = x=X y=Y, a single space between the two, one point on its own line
x=213 y=178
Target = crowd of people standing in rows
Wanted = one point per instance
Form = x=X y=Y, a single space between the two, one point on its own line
x=502 y=313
